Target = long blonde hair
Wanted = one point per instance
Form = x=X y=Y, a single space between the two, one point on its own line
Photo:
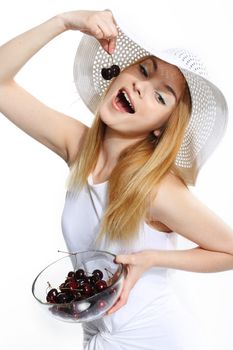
x=139 y=170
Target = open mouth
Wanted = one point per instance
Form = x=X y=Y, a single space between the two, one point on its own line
x=123 y=102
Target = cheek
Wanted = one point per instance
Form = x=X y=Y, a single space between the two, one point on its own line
x=158 y=117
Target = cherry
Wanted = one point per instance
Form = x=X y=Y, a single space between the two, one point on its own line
x=52 y=296
x=92 y=280
x=106 y=73
x=109 y=73
x=100 y=285
x=115 y=70
x=71 y=274
x=63 y=287
x=64 y=298
x=98 y=274
x=80 y=273
x=72 y=285
x=87 y=290
x=82 y=281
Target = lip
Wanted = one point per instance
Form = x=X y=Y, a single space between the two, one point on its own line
x=114 y=100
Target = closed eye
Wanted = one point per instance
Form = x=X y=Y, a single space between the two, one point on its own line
x=143 y=70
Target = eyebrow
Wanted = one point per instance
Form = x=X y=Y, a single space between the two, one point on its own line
x=168 y=87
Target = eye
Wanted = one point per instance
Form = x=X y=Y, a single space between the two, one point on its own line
x=143 y=70
x=160 y=98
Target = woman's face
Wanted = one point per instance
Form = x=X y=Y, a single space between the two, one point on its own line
x=154 y=88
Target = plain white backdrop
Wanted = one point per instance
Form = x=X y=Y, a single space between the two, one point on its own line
x=32 y=178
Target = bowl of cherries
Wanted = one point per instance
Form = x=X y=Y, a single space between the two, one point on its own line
x=81 y=286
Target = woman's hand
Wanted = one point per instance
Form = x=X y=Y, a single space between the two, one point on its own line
x=100 y=24
x=135 y=264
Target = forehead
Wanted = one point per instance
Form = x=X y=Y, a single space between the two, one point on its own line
x=164 y=72
x=164 y=69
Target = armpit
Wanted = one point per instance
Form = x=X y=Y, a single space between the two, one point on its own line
x=157 y=225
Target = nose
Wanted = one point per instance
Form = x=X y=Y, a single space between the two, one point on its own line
x=140 y=87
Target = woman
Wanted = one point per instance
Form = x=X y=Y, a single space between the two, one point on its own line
x=127 y=190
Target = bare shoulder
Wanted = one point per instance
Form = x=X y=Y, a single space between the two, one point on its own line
x=165 y=197
x=183 y=212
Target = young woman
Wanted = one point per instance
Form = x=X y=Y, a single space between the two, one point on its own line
x=155 y=124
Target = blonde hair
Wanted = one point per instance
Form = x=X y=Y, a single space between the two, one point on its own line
x=139 y=170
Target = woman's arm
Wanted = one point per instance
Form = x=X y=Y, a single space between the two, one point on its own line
x=177 y=208
x=195 y=260
x=16 y=52
x=57 y=131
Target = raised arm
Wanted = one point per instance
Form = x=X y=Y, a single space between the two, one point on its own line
x=59 y=132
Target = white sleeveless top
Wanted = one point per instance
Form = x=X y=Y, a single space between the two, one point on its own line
x=151 y=300
x=80 y=224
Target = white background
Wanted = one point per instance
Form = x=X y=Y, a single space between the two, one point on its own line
x=32 y=178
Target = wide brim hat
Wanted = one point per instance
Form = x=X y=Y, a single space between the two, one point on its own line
x=209 y=115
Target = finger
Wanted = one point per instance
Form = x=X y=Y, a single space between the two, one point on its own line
x=109 y=42
x=109 y=37
x=104 y=43
x=108 y=45
x=112 y=46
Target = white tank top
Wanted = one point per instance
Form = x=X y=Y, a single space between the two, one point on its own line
x=80 y=225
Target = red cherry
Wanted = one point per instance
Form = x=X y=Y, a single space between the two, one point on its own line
x=100 y=285
x=80 y=273
x=98 y=274
x=106 y=73
x=115 y=70
x=71 y=274
x=52 y=296
x=86 y=290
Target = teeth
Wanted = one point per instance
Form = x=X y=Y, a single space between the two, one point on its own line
x=127 y=98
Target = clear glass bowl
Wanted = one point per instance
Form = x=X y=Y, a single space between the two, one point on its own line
x=87 y=309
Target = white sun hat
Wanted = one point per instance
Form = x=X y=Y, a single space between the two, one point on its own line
x=209 y=116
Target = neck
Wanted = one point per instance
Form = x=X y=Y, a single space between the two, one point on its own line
x=113 y=144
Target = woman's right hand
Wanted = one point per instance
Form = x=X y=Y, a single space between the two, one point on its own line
x=100 y=24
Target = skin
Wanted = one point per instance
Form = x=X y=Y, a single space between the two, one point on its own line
x=145 y=86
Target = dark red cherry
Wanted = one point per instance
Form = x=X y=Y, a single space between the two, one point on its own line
x=98 y=274
x=71 y=274
x=87 y=290
x=63 y=287
x=106 y=73
x=100 y=285
x=72 y=285
x=52 y=296
x=64 y=298
x=115 y=70
x=82 y=281
x=80 y=273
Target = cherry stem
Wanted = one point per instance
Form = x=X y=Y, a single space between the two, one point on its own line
x=61 y=251
x=72 y=289
x=49 y=286
x=108 y=271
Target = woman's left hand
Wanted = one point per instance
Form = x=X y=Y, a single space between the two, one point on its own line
x=135 y=264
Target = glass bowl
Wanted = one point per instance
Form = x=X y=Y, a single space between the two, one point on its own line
x=88 y=308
